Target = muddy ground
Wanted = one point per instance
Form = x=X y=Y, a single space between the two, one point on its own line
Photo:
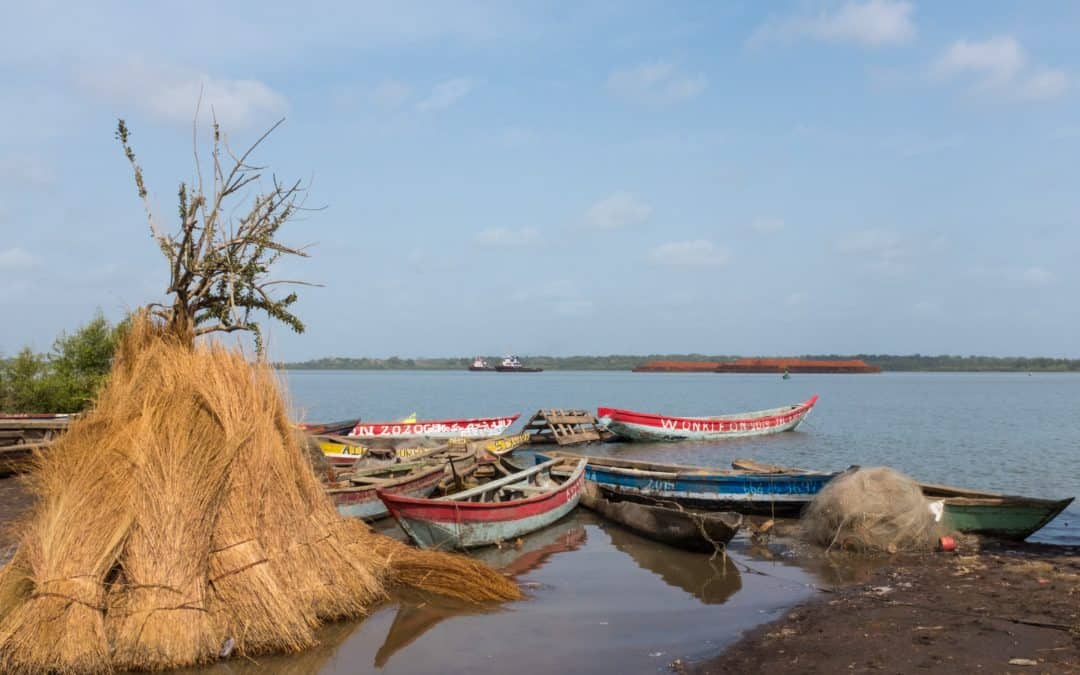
x=988 y=608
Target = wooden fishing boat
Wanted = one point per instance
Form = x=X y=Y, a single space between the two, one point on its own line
x=329 y=428
x=975 y=512
x=346 y=451
x=687 y=529
x=356 y=497
x=499 y=446
x=639 y=426
x=501 y=510
x=353 y=491
x=711 y=489
x=479 y=427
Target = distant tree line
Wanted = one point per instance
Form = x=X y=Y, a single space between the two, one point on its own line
x=66 y=379
x=887 y=362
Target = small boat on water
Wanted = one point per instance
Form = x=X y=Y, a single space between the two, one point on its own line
x=329 y=428
x=494 y=447
x=512 y=364
x=354 y=493
x=478 y=427
x=711 y=489
x=480 y=365
x=639 y=426
x=356 y=497
x=346 y=451
x=501 y=510
x=691 y=530
x=972 y=511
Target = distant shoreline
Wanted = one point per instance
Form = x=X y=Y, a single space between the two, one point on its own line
x=887 y=363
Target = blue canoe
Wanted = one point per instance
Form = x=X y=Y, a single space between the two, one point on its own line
x=780 y=493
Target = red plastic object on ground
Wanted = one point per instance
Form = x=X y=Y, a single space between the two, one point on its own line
x=946 y=544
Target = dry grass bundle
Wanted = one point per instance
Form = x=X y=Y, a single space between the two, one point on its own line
x=70 y=543
x=252 y=596
x=872 y=510
x=181 y=512
x=159 y=610
x=450 y=574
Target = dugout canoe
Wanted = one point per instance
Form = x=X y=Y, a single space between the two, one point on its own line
x=499 y=446
x=354 y=494
x=706 y=488
x=640 y=426
x=702 y=531
x=501 y=510
x=329 y=428
x=990 y=514
x=477 y=427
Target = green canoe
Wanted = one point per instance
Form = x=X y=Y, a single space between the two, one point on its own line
x=986 y=513
x=994 y=515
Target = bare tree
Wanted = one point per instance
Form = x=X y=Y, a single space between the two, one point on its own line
x=219 y=264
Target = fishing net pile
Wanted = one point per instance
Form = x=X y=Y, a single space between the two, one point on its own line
x=180 y=520
x=871 y=510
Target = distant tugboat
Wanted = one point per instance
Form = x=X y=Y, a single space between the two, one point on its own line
x=512 y=364
x=479 y=364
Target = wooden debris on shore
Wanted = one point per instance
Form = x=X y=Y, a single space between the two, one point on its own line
x=565 y=427
x=179 y=519
x=21 y=435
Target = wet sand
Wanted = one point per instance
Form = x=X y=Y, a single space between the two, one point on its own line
x=988 y=608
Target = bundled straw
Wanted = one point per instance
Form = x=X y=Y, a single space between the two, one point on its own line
x=181 y=514
x=871 y=510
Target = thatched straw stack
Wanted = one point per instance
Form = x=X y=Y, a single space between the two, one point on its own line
x=181 y=514
x=871 y=510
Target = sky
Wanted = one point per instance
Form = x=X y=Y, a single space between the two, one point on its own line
x=593 y=177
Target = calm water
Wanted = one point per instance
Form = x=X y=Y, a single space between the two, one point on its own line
x=605 y=601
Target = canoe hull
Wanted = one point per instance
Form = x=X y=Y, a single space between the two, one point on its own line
x=480 y=427
x=363 y=501
x=639 y=426
x=443 y=524
x=1014 y=519
x=710 y=490
x=680 y=528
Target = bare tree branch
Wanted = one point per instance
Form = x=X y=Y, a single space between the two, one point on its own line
x=220 y=259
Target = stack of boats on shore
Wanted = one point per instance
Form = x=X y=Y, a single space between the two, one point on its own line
x=451 y=484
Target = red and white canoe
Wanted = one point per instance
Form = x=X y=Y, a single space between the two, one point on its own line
x=534 y=498
x=479 y=427
x=641 y=426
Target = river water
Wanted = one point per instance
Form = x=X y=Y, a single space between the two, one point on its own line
x=603 y=600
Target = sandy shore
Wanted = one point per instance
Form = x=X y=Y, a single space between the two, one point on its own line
x=988 y=608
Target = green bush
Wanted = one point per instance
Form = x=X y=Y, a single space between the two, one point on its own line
x=65 y=380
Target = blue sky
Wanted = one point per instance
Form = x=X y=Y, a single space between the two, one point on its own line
x=566 y=178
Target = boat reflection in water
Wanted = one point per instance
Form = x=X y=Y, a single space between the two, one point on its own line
x=710 y=579
x=419 y=613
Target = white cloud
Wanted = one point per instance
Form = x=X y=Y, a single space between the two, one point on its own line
x=1046 y=84
x=698 y=253
x=170 y=94
x=621 y=209
x=795 y=299
x=391 y=94
x=655 y=83
x=767 y=225
x=17 y=259
x=876 y=23
x=507 y=238
x=446 y=94
x=999 y=65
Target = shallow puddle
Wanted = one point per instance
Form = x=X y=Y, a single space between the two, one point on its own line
x=601 y=600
